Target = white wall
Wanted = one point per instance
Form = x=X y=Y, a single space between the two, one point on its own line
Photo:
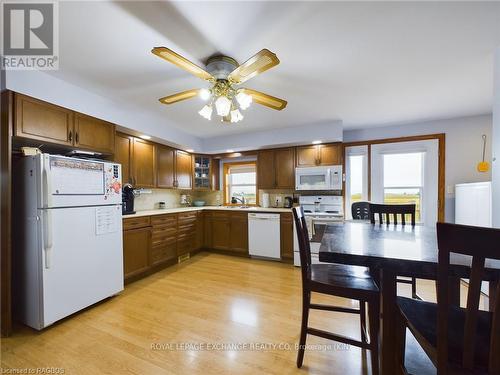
x=496 y=142
x=463 y=148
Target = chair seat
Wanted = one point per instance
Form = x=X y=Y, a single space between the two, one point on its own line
x=421 y=316
x=339 y=278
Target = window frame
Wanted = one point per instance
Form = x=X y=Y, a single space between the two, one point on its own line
x=226 y=185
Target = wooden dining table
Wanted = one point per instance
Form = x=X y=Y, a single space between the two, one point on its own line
x=391 y=251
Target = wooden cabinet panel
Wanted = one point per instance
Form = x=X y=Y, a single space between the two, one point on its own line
x=200 y=227
x=285 y=168
x=207 y=229
x=164 y=252
x=143 y=164
x=330 y=154
x=183 y=170
x=185 y=244
x=165 y=166
x=215 y=171
x=136 y=222
x=286 y=225
x=239 y=232
x=136 y=251
x=123 y=154
x=266 y=175
x=42 y=121
x=94 y=134
x=307 y=156
x=220 y=231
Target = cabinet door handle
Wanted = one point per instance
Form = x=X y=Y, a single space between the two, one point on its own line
x=76 y=137
x=70 y=136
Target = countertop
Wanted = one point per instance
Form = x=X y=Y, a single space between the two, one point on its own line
x=221 y=208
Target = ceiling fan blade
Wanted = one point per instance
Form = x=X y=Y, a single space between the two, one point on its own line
x=267 y=100
x=182 y=62
x=180 y=96
x=258 y=63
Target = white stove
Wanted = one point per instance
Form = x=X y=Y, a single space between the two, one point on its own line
x=318 y=210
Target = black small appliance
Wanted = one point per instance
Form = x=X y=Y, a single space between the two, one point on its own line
x=128 y=199
x=288 y=202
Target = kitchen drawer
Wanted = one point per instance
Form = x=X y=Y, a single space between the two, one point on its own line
x=187 y=219
x=186 y=229
x=164 y=220
x=185 y=244
x=163 y=253
x=164 y=230
x=157 y=239
x=136 y=222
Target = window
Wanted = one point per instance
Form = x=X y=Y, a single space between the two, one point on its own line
x=240 y=182
x=356 y=183
x=403 y=179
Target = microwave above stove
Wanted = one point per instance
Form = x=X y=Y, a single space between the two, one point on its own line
x=319 y=178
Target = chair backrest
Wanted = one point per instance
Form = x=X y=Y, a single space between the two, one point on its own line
x=481 y=244
x=360 y=211
x=385 y=210
x=304 y=244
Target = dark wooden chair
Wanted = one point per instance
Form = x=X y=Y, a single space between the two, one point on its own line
x=339 y=280
x=457 y=340
x=386 y=210
x=360 y=211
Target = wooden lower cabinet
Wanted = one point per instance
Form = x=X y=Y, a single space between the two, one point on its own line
x=220 y=229
x=136 y=251
x=286 y=229
x=164 y=238
x=238 y=237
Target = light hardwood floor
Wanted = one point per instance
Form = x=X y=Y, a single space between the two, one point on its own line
x=209 y=299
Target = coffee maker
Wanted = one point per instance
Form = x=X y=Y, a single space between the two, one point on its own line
x=127 y=199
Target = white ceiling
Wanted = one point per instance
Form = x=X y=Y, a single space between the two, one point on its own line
x=365 y=63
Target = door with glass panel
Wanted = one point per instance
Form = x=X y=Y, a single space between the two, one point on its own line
x=356 y=183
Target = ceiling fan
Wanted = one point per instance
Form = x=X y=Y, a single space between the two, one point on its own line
x=224 y=75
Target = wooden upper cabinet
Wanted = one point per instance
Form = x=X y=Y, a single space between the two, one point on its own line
x=311 y=156
x=266 y=175
x=285 y=168
x=215 y=172
x=165 y=166
x=307 y=156
x=43 y=121
x=143 y=164
x=94 y=134
x=123 y=154
x=330 y=154
x=183 y=170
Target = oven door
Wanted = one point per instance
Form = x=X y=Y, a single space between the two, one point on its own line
x=317 y=178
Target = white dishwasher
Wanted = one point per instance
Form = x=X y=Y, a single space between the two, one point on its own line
x=264 y=235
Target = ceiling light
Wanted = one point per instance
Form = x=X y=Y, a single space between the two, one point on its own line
x=236 y=115
x=230 y=151
x=206 y=112
x=244 y=100
x=189 y=150
x=223 y=106
x=316 y=142
x=145 y=136
x=204 y=94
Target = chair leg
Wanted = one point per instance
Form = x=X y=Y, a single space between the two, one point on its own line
x=374 y=318
x=400 y=344
x=306 y=301
x=362 y=321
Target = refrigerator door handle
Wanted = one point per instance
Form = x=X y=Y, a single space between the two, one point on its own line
x=47 y=236
x=47 y=185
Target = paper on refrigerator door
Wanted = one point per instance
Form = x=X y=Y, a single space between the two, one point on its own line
x=106 y=220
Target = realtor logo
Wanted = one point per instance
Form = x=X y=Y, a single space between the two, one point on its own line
x=30 y=40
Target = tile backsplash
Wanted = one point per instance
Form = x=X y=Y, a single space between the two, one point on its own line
x=149 y=198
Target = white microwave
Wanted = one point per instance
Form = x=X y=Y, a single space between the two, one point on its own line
x=319 y=178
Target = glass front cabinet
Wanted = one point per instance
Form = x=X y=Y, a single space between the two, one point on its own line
x=202 y=172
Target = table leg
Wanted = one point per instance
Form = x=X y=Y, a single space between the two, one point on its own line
x=492 y=294
x=388 y=303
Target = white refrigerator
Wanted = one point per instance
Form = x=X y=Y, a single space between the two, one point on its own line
x=473 y=204
x=67 y=236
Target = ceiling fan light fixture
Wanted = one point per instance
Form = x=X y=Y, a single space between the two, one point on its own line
x=236 y=115
x=204 y=94
x=206 y=112
x=222 y=106
x=244 y=100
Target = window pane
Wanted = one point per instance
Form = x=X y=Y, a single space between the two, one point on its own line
x=403 y=169
x=243 y=178
x=405 y=195
x=356 y=177
x=248 y=192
